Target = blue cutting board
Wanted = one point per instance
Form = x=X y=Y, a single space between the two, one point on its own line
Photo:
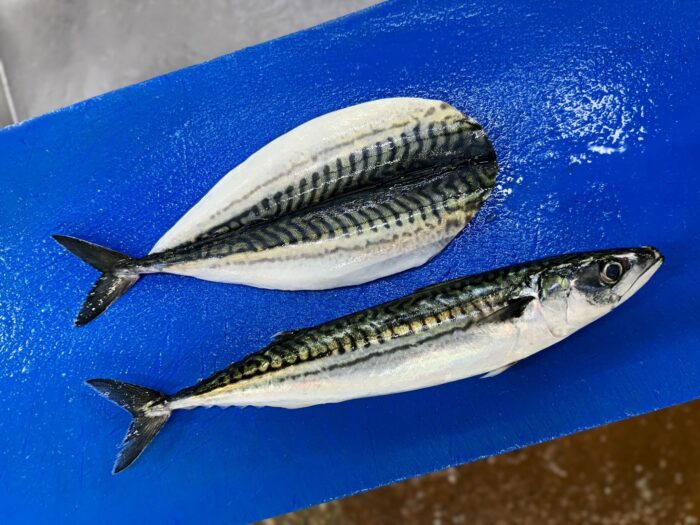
x=594 y=113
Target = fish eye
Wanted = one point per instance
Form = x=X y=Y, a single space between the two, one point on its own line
x=611 y=273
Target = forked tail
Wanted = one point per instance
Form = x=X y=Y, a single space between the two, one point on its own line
x=150 y=412
x=111 y=285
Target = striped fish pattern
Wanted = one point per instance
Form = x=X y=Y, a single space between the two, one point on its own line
x=371 y=231
x=347 y=198
x=461 y=328
x=361 y=146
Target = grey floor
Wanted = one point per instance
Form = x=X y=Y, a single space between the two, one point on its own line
x=57 y=52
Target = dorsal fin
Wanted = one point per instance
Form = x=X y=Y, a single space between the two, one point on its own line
x=443 y=284
x=462 y=281
x=286 y=334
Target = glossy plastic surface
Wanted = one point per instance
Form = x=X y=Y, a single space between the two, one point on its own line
x=594 y=114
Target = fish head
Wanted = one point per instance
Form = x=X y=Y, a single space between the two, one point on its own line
x=575 y=290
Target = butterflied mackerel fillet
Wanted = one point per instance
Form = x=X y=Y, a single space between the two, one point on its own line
x=349 y=197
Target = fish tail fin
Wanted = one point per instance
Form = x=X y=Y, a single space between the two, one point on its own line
x=148 y=408
x=111 y=285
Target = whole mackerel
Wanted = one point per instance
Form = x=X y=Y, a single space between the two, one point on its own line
x=457 y=329
x=346 y=198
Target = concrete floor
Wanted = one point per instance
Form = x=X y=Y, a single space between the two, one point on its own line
x=58 y=52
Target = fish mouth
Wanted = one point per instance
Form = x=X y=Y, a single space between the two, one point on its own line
x=654 y=261
x=655 y=254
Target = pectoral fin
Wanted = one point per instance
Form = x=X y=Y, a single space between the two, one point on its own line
x=284 y=335
x=512 y=310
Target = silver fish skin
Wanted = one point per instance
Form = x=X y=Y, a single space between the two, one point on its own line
x=347 y=198
x=472 y=326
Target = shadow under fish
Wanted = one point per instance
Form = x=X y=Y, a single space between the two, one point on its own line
x=346 y=198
